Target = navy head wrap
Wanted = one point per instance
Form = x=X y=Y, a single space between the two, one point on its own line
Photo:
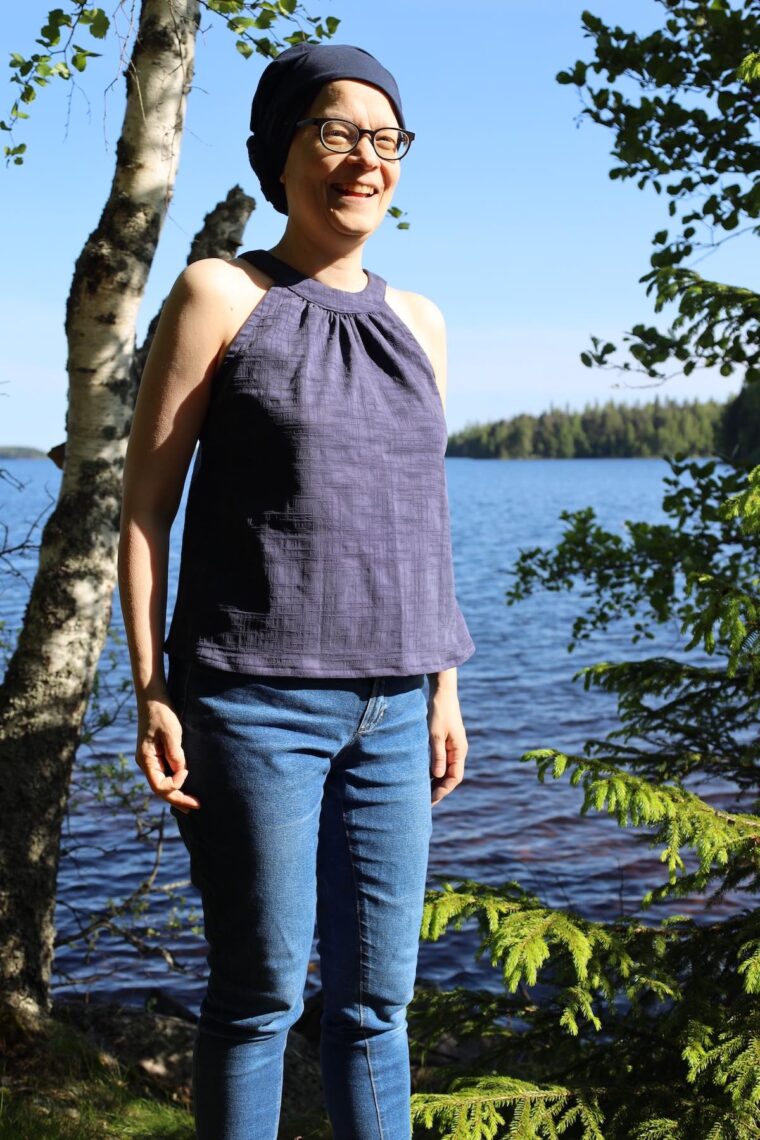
x=288 y=87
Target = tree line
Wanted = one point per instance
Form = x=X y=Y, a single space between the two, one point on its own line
x=657 y=428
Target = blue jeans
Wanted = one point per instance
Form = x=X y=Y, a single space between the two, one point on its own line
x=316 y=806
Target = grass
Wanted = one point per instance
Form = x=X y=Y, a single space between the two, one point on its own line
x=65 y=1088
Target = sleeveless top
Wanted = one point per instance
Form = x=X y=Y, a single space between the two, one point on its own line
x=316 y=538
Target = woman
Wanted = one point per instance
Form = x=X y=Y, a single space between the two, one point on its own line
x=292 y=737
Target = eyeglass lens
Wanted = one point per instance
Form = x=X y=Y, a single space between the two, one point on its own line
x=390 y=142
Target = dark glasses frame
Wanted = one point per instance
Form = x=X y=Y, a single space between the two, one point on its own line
x=362 y=131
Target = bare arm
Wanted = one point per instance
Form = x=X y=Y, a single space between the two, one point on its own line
x=189 y=342
x=448 y=739
x=171 y=403
x=430 y=329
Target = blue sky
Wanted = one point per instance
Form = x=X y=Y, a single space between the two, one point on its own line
x=517 y=232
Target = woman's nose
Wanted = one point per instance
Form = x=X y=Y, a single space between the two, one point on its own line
x=365 y=150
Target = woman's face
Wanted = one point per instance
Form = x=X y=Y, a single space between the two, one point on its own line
x=317 y=180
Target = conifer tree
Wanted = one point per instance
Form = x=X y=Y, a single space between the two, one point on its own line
x=613 y=430
x=646 y=1027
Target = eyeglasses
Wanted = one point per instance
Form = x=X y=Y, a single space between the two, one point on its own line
x=341 y=136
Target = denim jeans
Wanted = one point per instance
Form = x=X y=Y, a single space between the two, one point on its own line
x=315 y=807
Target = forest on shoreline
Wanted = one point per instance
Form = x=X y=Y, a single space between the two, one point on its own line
x=659 y=427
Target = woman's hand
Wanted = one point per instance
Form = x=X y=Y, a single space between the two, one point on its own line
x=448 y=742
x=159 y=753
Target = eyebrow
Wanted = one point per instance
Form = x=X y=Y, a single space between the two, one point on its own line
x=348 y=118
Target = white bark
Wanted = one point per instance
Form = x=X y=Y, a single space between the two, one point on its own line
x=45 y=691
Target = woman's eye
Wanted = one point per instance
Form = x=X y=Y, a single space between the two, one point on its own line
x=388 y=142
x=338 y=133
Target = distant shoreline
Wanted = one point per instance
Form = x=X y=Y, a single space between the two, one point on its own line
x=22 y=453
x=35 y=453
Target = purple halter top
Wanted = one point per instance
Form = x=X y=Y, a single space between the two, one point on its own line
x=316 y=539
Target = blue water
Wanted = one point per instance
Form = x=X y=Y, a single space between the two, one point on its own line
x=516 y=693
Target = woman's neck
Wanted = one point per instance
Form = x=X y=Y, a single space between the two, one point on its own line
x=338 y=269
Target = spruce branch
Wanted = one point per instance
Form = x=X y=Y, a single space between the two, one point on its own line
x=727 y=844
x=469 y=1110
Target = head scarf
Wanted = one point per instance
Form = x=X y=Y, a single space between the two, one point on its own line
x=287 y=88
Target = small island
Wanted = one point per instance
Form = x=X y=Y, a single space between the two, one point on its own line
x=22 y=453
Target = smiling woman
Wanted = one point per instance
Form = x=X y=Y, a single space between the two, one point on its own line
x=321 y=183
x=292 y=736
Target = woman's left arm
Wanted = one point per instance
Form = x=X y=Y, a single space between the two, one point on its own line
x=448 y=741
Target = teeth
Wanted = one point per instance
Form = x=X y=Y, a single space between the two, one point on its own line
x=353 y=188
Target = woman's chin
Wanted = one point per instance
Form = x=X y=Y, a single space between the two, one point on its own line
x=349 y=222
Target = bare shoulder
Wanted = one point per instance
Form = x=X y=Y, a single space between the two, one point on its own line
x=226 y=291
x=416 y=305
x=224 y=283
x=426 y=321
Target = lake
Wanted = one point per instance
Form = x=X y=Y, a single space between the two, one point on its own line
x=516 y=693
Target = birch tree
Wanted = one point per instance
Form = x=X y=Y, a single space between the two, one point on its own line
x=45 y=691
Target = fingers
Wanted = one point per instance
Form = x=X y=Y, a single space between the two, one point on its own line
x=161 y=750
x=167 y=785
x=442 y=788
x=447 y=775
x=438 y=756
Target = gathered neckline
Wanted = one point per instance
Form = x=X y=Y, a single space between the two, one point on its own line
x=366 y=300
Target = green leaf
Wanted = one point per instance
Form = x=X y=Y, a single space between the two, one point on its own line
x=579 y=73
x=98 y=21
x=593 y=23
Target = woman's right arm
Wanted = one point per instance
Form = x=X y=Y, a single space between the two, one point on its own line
x=188 y=344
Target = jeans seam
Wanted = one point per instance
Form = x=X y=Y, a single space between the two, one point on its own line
x=361 y=970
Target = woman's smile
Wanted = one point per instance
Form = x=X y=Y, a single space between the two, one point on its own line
x=354 y=190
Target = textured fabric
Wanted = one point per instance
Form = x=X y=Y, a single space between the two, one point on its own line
x=316 y=537
x=286 y=90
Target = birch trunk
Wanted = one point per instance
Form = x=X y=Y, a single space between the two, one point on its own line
x=47 y=685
